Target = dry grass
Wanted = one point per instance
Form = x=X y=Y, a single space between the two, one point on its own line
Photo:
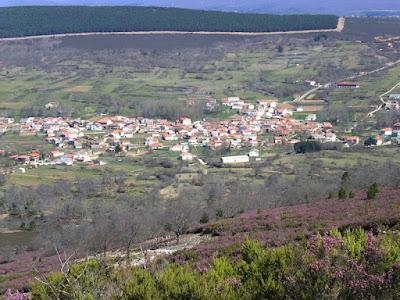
x=169 y=192
x=79 y=89
x=312 y=108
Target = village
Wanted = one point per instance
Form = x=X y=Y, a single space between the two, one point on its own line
x=260 y=125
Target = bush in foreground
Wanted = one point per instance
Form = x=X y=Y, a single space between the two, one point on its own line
x=352 y=265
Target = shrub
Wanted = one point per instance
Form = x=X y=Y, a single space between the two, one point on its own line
x=263 y=270
x=370 y=141
x=178 y=282
x=355 y=242
x=307 y=147
x=342 y=194
x=140 y=285
x=204 y=218
x=350 y=265
x=373 y=191
x=219 y=213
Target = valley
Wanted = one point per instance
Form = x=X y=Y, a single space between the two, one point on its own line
x=169 y=157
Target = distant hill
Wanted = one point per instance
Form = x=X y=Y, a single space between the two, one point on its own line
x=338 y=7
x=43 y=20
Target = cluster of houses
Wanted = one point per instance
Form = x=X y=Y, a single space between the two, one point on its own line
x=262 y=124
x=387 y=136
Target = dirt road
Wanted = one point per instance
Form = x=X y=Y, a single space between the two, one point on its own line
x=359 y=75
x=339 y=28
x=306 y=94
x=370 y=114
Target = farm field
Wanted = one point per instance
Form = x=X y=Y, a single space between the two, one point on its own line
x=85 y=76
x=135 y=69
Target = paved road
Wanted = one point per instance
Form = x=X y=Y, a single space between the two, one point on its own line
x=339 y=28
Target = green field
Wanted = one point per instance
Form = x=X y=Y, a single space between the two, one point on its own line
x=84 y=88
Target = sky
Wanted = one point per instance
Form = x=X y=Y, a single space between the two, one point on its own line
x=339 y=7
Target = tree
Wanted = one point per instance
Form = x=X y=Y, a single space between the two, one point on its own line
x=3 y=180
x=118 y=149
x=204 y=218
x=129 y=228
x=370 y=141
x=373 y=190
x=345 y=177
x=178 y=216
x=307 y=146
x=219 y=213
x=101 y=233
x=342 y=194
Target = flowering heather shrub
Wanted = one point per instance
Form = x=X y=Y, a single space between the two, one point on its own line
x=17 y=295
x=351 y=265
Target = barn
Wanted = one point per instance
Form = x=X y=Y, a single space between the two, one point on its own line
x=347 y=85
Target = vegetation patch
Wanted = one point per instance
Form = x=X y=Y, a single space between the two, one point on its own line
x=79 y=89
x=25 y=21
x=354 y=265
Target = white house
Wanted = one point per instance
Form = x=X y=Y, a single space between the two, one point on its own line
x=254 y=153
x=393 y=105
x=238 y=159
x=186 y=121
x=387 y=131
x=311 y=117
x=186 y=156
x=176 y=148
x=67 y=161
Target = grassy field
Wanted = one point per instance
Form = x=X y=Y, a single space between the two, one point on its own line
x=370 y=89
x=251 y=70
x=14 y=143
x=84 y=82
x=85 y=76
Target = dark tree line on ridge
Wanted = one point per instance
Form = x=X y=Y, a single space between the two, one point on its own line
x=26 y=21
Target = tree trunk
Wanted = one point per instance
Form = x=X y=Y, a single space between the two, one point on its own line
x=144 y=252
x=128 y=253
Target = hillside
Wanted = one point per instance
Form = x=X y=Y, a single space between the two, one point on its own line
x=279 y=226
x=26 y=21
x=299 y=252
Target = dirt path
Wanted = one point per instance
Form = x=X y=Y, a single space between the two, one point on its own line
x=139 y=258
x=339 y=28
x=306 y=94
x=386 y=66
x=359 y=75
x=370 y=114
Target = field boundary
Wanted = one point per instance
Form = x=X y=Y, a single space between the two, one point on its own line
x=340 y=27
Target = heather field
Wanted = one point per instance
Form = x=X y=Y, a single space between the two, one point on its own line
x=278 y=226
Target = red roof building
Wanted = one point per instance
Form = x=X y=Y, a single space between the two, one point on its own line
x=347 y=84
